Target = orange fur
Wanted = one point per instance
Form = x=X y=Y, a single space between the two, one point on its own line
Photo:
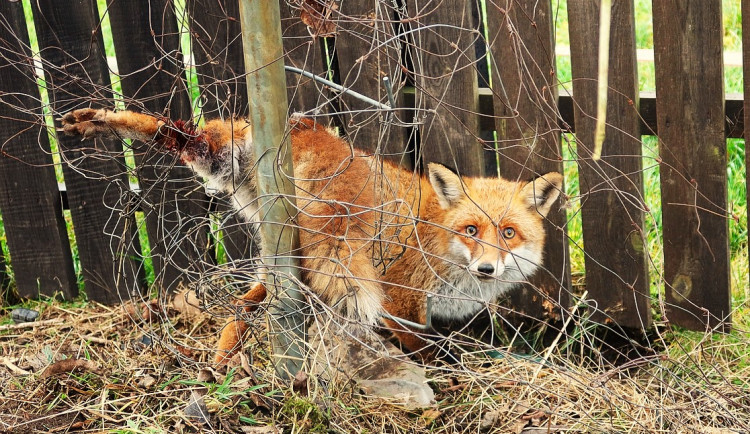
x=373 y=236
x=233 y=333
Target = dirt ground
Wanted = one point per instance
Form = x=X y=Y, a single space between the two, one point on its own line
x=93 y=368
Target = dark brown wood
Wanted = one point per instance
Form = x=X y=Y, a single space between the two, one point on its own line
x=217 y=49
x=735 y=123
x=525 y=95
x=445 y=80
x=76 y=76
x=216 y=37
x=31 y=209
x=149 y=63
x=303 y=51
x=367 y=50
x=690 y=114
x=746 y=103
x=611 y=188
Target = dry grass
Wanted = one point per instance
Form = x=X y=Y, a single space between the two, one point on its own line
x=141 y=377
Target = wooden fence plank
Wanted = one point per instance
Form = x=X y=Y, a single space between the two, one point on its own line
x=746 y=101
x=611 y=188
x=77 y=76
x=303 y=51
x=217 y=49
x=150 y=65
x=445 y=79
x=690 y=114
x=31 y=208
x=525 y=95
x=367 y=50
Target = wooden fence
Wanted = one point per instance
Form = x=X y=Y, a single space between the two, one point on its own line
x=441 y=80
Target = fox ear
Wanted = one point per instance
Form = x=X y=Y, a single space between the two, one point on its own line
x=447 y=185
x=542 y=192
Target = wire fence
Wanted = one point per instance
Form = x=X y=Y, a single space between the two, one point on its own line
x=594 y=340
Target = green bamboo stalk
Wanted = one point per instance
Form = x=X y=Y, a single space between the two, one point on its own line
x=266 y=87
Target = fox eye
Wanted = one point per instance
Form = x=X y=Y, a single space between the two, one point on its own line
x=471 y=230
x=509 y=233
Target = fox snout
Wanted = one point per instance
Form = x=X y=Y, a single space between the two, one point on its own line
x=485 y=268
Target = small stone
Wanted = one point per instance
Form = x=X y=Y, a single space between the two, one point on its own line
x=22 y=314
x=196 y=410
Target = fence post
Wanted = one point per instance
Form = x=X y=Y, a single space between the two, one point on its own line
x=266 y=85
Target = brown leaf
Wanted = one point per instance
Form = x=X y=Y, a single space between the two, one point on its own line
x=430 y=415
x=299 y=384
x=69 y=365
x=149 y=311
x=187 y=303
x=146 y=382
x=317 y=14
x=269 y=429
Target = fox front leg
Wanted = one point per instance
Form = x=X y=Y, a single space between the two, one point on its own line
x=91 y=123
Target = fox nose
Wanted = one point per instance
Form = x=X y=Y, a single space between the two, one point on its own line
x=486 y=268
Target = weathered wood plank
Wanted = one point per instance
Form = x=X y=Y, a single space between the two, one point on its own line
x=611 y=188
x=445 y=79
x=31 y=208
x=368 y=50
x=303 y=51
x=77 y=76
x=525 y=94
x=150 y=66
x=217 y=48
x=690 y=114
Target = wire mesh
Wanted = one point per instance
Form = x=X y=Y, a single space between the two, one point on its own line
x=473 y=86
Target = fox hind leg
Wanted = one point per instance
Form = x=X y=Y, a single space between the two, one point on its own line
x=233 y=334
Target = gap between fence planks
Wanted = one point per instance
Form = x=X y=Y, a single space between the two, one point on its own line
x=746 y=103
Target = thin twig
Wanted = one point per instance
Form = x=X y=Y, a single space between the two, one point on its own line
x=24 y=325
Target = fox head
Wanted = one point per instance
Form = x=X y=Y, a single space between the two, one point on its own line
x=492 y=233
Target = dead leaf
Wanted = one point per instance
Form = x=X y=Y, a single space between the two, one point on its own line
x=489 y=419
x=196 y=410
x=69 y=365
x=268 y=429
x=299 y=384
x=149 y=311
x=187 y=352
x=317 y=16
x=187 y=303
x=12 y=367
x=146 y=382
x=430 y=415
x=206 y=376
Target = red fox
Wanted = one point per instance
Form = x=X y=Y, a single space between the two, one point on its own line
x=374 y=238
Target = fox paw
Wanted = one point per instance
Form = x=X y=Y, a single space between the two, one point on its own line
x=87 y=123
